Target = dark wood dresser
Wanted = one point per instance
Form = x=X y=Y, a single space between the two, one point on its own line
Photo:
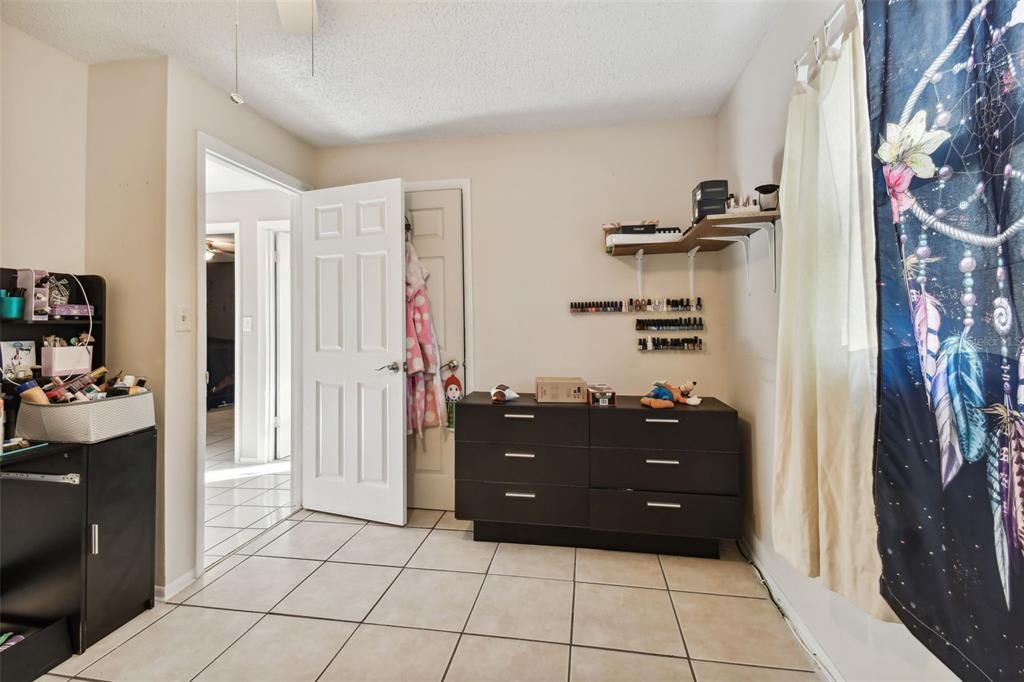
x=622 y=477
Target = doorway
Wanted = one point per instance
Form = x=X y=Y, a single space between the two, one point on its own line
x=247 y=467
x=437 y=219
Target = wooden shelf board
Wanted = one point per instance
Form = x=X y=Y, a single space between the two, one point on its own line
x=711 y=226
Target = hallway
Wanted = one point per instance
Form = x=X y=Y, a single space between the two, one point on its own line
x=242 y=500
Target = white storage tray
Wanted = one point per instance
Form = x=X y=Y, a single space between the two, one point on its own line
x=86 y=422
x=656 y=238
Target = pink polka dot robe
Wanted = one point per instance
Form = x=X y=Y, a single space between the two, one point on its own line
x=424 y=394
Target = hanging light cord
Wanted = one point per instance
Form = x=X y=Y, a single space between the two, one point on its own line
x=312 y=38
x=236 y=46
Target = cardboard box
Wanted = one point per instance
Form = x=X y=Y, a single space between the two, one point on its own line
x=600 y=395
x=561 y=390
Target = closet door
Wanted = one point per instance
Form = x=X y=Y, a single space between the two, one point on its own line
x=352 y=267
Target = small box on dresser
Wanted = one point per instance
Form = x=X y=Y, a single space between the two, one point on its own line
x=615 y=477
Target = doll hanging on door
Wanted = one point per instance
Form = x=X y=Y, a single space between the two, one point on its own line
x=452 y=395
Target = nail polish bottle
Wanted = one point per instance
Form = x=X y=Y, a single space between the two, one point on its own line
x=700 y=306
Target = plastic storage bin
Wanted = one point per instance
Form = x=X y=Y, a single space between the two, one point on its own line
x=86 y=422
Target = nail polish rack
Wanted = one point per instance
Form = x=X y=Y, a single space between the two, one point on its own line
x=671 y=324
x=637 y=305
x=650 y=344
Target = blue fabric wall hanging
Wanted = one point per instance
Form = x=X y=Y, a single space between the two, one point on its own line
x=946 y=95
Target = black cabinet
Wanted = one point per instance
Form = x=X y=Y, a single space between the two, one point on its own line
x=120 y=523
x=622 y=477
x=77 y=546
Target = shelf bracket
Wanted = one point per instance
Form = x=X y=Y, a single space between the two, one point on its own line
x=770 y=229
x=738 y=239
x=638 y=257
x=691 y=256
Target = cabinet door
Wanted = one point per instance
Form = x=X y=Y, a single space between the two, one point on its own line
x=120 y=532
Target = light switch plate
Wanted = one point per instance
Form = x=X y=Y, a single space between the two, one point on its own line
x=247 y=323
x=182 y=317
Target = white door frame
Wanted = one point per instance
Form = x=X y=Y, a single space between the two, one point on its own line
x=469 y=362
x=207 y=144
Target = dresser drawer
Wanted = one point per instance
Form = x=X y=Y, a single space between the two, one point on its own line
x=521 y=503
x=675 y=429
x=715 y=473
x=519 y=423
x=695 y=516
x=519 y=463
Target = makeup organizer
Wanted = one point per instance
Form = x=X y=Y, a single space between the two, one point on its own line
x=693 y=323
x=637 y=305
x=647 y=344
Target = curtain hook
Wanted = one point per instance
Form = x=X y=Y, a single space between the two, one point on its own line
x=828 y=26
x=817 y=50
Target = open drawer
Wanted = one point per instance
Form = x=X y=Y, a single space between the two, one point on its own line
x=45 y=646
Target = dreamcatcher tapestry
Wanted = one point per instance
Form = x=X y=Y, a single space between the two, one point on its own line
x=946 y=95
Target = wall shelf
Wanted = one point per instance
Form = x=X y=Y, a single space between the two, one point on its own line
x=712 y=233
x=710 y=228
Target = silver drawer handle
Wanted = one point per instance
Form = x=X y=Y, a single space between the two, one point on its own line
x=519 y=416
x=525 y=496
x=662 y=461
x=520 y=455
x=665 y=505
x=661 y=421
x=70 y=479
x=95 y=539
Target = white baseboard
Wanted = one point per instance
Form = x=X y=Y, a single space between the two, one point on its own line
x=175 y=586
x=799 y=627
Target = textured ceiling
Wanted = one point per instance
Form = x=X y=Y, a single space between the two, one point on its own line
x=399 y=71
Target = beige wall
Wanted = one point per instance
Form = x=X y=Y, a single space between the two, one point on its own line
x=750 y=141
x=124 y=223
x=43 y=160
x=194 y=106
x=538 y=202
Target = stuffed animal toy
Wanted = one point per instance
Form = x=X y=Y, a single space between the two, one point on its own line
x=664 y=395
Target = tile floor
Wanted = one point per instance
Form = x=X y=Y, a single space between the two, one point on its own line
x=328 y=598
x=312 y=596
x=241 y=499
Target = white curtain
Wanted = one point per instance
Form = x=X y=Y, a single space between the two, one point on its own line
x=823 y=510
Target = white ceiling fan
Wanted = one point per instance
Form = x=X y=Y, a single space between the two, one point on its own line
x=298 y=17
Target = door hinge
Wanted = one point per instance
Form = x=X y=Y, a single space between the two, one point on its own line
x=276 y=423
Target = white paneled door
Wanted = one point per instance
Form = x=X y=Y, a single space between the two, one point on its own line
x=352 y=267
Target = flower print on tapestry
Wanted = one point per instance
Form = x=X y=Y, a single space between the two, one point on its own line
x=947 y=110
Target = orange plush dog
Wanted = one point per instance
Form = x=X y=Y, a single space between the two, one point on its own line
x=664 y=395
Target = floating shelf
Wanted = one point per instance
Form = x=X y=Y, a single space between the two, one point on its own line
x=707 y=234
x=712 y=233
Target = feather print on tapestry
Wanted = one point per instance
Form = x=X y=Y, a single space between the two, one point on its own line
x=998 y=527
x=1016 y=484
x=927 y=319
x=950 y=457
x=965 y=381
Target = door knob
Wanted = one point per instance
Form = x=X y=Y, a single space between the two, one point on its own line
x=393 y=367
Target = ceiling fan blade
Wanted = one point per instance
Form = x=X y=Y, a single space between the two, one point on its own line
x=294 y=16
